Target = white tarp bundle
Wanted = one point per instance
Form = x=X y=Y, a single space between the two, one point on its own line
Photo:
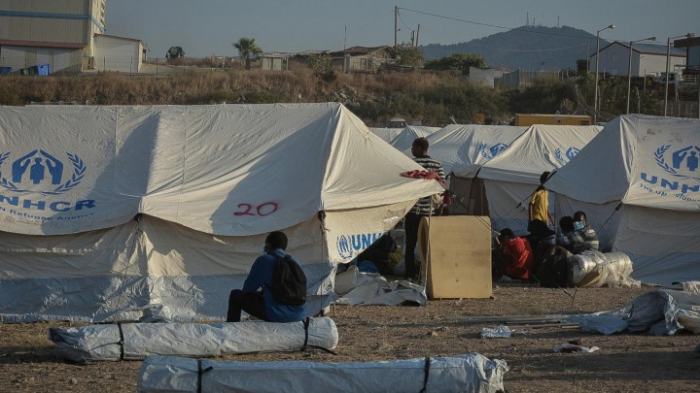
x=135 y=341
x=639 y=183
x=657 y=312
x=371 y=289
x=464 y=373
x=109 y=211
x=385 y=133
x=405 y=138
x=514 y=175
x=463 y=149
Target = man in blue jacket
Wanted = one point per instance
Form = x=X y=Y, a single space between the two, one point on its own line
x=256 y=297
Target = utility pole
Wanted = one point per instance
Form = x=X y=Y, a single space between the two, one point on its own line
x=345 y=38
x=413 y=38
x=417 y=32
x=588 y=59
x=396 y=23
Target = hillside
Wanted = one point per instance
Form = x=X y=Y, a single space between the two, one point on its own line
x=525 y=48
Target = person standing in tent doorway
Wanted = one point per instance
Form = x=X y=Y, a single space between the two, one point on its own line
x=273 y=291
x=539 y=204
x=423 y=208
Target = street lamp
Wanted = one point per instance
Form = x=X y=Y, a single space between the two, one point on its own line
x=668 y=66
x=629 y=71
x=597 y=62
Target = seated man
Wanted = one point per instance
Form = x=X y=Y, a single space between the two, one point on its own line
x=570 y=238
x=588 y=234
x=517 y=254
x=378 y=255
x=256 y=297
x=542 y=239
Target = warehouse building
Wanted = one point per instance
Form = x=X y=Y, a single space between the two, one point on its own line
x=66 y=35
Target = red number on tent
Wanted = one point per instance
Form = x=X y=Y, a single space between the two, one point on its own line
x=247 y=206
x=263 y=211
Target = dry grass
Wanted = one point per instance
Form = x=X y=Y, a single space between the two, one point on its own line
x=433 y=98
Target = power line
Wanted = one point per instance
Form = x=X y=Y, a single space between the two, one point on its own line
x=382 y=16
x=496 y=26
x=404 y=23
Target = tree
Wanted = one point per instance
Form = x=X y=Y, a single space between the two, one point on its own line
x=321 y=64
x=408 y=55
x=582 y=67
x=246 y=47
x=456 y=62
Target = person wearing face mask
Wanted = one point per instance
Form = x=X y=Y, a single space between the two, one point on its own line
x=257 y=296
x=589 y=235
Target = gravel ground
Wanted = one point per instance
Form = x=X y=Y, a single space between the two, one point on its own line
x=625 y=363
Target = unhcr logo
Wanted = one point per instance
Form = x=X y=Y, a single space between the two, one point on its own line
x=684 y=161
x=493 y=151
x=349 y=246
x=568 y=156
x=41 y=173
x=682 y=167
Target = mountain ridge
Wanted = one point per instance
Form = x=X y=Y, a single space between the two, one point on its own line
x=525 y=47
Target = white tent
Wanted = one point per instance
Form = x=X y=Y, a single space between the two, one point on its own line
x=464 y=148
x=110 y=211
x=405 y=138
x=387 y=134
x=647 y=168
x=512 y=176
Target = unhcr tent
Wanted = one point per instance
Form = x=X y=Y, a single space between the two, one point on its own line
x=462 y=150
x=405 y=138
x=111 y=213
x=648 y=169
x=387 y=134
x=511 y=177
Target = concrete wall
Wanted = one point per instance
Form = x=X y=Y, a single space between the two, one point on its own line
x=615 y=61
x=116 y=54
x=61 y=60
x=271 y=63
x=482 y=76
x=67 y=21
x=694 y=56
x=654 y=64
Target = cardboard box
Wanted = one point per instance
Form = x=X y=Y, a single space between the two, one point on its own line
x=458 y=254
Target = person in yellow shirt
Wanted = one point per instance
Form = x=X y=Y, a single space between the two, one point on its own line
x=539 y=203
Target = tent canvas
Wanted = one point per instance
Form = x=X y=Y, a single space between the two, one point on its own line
x=385 y=133
x=646 y=167
x=405 y=138
x=111 y=212
x=511 y=177
x=462 y=150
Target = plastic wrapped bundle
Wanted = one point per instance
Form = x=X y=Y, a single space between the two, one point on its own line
x=657 y=312
x=616 y=271
x=463 y=373
x=595 y=269
x=133 y=341
x=582 y=265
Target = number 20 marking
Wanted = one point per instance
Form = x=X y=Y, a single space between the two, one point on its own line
x=262 y=210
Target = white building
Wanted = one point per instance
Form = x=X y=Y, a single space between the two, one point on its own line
x=66 y=34
x=117 y=54
x=647 y=59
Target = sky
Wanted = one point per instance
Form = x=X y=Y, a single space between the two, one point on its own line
x=209 y=27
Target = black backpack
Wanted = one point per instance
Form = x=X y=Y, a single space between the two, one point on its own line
x=288 y=282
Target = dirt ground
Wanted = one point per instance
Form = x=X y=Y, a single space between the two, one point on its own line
x=625 y=363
